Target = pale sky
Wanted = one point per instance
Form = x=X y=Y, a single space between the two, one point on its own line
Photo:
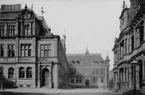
x=92 y=23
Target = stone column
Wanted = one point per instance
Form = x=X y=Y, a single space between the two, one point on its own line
x=38 y=75
x=130 y=75
x=55 y=76
x=50 y=81
x=137 y=76
x=143 y=71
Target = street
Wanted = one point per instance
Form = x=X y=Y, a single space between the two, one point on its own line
x=45 y=91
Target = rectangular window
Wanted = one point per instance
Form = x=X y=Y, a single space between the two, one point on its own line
x=102 y=79
x=102 y=71
x=78 y=80
x=27 y=30
x=1 y=50
x=11 y=51
x=2 y=30
x=95 y=79
x=72 y=80
x=96 y=71
x=26 y=50
x=141 y=31
x=11 y=30
x=45 y=50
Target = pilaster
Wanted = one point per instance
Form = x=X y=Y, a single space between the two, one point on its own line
x=55 y=76
x=38 y=75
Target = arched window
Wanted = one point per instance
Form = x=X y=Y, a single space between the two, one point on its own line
x=11 y=72
x=21 y=72
x=29 y=72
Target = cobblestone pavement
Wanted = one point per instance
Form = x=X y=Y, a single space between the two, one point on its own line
x=46 y=91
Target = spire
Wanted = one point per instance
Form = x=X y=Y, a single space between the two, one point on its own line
x=123 y=5
x=87 y=51
x=107 y=58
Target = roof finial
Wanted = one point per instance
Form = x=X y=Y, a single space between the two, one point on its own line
x=123 y=5
x=64 y=36
x=26 y=6
x=32 y=7
x=42 y=11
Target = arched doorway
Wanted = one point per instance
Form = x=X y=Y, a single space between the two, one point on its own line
x=45 y=77
x=87 y=83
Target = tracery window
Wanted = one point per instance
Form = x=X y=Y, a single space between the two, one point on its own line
x=11 y=51
x=45 y=50
x=29 y=72
x=21 y=72
x=11 y=72
x=11 y=30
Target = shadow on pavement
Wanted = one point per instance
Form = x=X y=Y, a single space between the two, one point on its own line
x=130 y=92
x=17 y=93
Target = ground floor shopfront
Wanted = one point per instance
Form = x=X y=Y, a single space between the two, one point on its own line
x=32 y=75
x=126 y=75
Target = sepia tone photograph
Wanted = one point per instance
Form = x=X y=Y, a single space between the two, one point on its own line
x=72 y=47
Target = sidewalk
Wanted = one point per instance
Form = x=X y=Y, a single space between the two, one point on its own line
x=46 y=90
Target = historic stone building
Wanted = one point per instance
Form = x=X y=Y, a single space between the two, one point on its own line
x=88 y=70
x=130 y=46
x=30 y=55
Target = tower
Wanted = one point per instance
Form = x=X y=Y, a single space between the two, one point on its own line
x=87 y=51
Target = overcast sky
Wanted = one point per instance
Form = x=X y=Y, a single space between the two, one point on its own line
x=92 y=23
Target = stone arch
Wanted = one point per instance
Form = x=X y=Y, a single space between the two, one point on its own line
x=11 y=72
x=45 y=77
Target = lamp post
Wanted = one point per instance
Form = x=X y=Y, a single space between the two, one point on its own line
x=134 y=62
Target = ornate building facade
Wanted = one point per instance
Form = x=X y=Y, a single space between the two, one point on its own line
x=30 y=55
x=130 y=46
x=88 y=70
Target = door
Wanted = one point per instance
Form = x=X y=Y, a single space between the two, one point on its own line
x=45 y=77
x=87 y=83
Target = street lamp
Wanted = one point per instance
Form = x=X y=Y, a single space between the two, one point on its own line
x=134 y=62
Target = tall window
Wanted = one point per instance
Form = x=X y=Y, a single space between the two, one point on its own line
x=29 y=72
x=21 y=72
x=132 y=42
x=11 y=30
x=1 y=50
x=72 y=80
x=96 y=71
x=26 y=50
x=102 y=79
x=27 y=30
x=45 y=50
x=95 y=79
x=11 y=72
x=78 y=80
x=102 y=71
x=2 y=30
x=141 y=31
x=11 y=51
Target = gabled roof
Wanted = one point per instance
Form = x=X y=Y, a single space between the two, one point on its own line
x=83 y=57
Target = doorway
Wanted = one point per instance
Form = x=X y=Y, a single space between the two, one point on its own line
x=45 y=77
x=87 y=83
